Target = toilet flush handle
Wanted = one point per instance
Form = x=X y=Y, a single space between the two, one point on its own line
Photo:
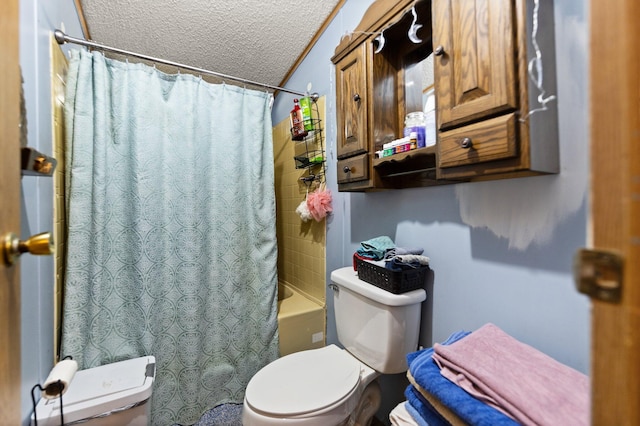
x=334 y=287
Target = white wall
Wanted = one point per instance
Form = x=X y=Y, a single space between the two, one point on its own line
x=37 y=20
x=501 y=251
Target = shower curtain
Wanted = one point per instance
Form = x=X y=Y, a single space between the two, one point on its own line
x=171 y=246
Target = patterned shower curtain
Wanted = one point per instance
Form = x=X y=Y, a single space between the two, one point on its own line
x=171 y=246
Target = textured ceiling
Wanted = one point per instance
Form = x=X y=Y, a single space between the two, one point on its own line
x=259 y=40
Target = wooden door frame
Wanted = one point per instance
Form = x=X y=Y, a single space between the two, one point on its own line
x=615 y=205
x=10 y=388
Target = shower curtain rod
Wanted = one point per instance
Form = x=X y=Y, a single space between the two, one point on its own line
x=62 y=38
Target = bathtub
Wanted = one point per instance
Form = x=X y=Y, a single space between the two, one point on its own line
x=301 y=321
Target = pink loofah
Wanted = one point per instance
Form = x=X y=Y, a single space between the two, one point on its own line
x=319 y=204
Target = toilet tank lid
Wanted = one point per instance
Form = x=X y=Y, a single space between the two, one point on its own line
x=348 y=278
x=102 y=389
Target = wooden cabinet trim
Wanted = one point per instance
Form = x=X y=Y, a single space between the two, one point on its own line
x=380 y=14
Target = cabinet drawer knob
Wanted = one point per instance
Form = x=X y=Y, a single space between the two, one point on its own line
x=466 y=143
x=346 y=169
x=439 y=51
x=356 y=98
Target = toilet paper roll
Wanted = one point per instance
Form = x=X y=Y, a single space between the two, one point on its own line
x=59 y=379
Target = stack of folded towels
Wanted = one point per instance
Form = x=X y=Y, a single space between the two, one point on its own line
x=489 y=378
x=383 y=252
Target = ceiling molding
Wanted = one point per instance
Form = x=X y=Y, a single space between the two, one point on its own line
x=312 y=43
x=83 y=20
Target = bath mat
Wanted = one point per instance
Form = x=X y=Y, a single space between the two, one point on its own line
x=222 y=415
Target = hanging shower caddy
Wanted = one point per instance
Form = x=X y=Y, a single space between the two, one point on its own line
x=309 y=151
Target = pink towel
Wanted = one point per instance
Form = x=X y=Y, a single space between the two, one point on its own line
x=521 y=381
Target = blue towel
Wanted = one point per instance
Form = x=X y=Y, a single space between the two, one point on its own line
x=415 y=415
x=375 y=248
x=472 y=411
x=421 y=410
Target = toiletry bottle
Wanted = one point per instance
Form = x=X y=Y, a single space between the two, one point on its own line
x=297 y=124
x=305 y=106
x=413 y=140
x=415 y=122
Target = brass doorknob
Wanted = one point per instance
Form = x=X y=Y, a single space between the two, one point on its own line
x=13 y=247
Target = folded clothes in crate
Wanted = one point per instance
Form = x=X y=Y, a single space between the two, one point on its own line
x=380 y=262
x=357 y=256
x=395 y=263
x=401 y=251
x=383 y=248
x=406 y=262
x=398 y=281
x=375 y=248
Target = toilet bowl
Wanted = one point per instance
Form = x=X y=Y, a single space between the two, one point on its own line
x=315 y=387
x=331 y=386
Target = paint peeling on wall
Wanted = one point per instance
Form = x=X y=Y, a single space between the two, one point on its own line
x=527 y=211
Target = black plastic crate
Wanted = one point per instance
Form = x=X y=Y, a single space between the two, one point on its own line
x=393 y=281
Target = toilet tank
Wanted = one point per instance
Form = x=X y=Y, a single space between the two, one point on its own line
x=111 y=394
x=376 y=326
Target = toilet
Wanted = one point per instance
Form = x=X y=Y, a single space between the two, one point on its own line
x=113 y=394
x=334 y=386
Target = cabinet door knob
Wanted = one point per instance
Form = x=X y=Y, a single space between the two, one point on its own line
x=356 y=98
x=466 y=143
x=346 y=169
x=439 y=51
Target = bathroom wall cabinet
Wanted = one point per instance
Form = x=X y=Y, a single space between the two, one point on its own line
x=483 y=93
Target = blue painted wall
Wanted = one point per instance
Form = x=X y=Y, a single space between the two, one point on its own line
x=501 y=251
x=37 y=20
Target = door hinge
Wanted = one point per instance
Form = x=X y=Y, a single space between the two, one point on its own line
x=598 y=274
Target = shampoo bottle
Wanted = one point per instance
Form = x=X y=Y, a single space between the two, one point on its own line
x=298 y=131
x=305 y=106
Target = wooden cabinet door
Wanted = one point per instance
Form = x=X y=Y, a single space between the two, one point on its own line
x=352 y=103
x=475 y=69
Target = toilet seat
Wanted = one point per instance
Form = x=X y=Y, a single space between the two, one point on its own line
x=303 y=382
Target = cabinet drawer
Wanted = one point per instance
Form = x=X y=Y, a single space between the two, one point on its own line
x=490 y=140
x=353 y=169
